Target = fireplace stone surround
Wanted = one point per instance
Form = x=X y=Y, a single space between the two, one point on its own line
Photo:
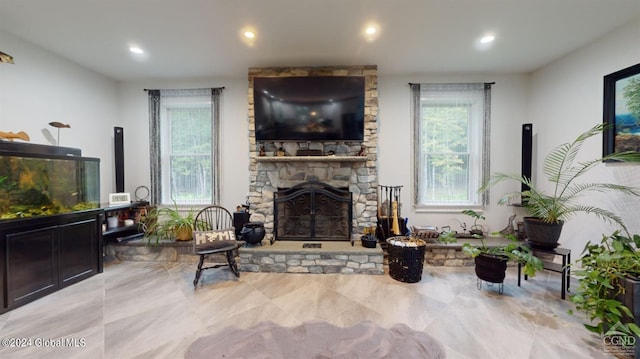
x=351 y=165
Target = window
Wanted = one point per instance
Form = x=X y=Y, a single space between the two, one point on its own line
x=451 y=123
x=184 y=153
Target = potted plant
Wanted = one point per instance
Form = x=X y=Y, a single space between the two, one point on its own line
x=169 y=223
x=491 y=261
x=549 y=210
x=609 y=285
x=476 y=229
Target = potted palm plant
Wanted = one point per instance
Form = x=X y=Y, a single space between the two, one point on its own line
x=549 y=210
x=609 y=285
x=169 y=223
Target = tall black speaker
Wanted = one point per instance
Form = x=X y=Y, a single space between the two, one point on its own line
x=527 y=143
x=118 y=141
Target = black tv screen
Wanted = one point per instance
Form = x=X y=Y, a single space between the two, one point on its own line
x=319 y=108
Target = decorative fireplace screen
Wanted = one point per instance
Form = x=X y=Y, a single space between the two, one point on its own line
x=313 y=211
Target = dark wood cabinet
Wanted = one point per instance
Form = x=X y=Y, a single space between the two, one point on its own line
x=41 y=255
x=31 y=268
x=78 y=245
x=135 y=212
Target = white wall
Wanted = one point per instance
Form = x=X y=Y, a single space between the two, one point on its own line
x=566 y=99
x=42 y=87
x=134 y=118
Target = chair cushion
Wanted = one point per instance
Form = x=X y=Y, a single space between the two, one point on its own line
x=214 y=239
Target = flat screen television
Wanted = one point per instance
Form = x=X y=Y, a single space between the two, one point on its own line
x=314 y=108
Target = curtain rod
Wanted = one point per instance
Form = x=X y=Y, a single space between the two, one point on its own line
x=214 y=88
x=485 y=83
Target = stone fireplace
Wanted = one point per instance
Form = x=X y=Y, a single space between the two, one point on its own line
x=344 y=165
x=313 y=211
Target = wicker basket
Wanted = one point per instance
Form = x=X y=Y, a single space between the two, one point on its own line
x=406 y=263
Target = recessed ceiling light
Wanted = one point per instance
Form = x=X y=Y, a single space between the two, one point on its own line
x=371 y=31
x=487 y=39
x=248 y=35
x=136 y=50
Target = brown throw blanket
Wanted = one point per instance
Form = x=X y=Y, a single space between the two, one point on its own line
x=318 y=340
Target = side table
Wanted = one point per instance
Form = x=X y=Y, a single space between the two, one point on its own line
x=563 y=268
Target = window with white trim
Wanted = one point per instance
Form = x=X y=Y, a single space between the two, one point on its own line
x=451 y=124
x=184 y=152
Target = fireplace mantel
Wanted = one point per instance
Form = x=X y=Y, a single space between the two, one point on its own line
x=311 y=159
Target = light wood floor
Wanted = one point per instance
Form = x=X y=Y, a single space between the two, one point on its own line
x=151 y=310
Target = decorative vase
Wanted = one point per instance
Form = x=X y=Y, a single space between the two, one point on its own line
x=112 y=222
x=184 y=234
x=541 y=234
x=253 y=232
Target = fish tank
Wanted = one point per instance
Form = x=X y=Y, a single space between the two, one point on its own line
x=39 y=180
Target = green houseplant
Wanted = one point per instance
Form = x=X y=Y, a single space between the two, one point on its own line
x=495 y=258
x=476 y=229
x=549 y=210
x=169 y=223
x=609 y=284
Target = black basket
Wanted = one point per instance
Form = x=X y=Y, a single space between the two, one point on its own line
x=405 y=263
x=368 y=241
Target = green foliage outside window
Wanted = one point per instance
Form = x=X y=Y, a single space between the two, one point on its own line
x=445 y=147
x=190 y=153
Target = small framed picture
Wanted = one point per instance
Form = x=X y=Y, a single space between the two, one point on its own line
x=119 y=198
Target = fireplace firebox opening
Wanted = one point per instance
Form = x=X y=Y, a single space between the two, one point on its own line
x=313 y=211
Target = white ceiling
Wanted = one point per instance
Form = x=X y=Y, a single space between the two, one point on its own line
x=202 y=38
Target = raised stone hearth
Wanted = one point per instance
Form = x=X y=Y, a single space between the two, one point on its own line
x=291 y=257
x=296 y=257
x=140 y=250
x=284 y=256
x=451 y=254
